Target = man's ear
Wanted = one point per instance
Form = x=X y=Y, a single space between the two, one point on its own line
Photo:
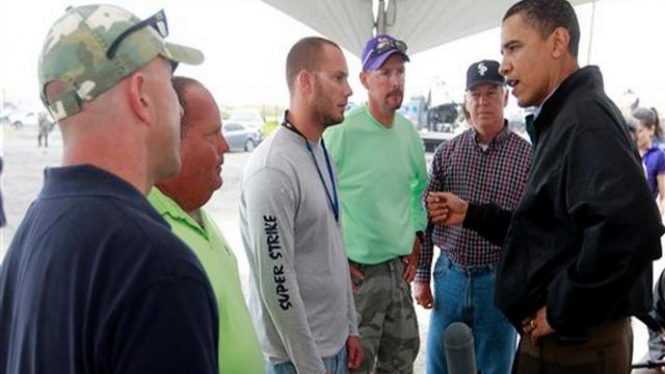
x=305 y=81
x=560 y=38
x=139 y=100
x=363 y=78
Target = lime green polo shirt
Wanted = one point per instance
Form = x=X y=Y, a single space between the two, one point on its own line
x=239 y=349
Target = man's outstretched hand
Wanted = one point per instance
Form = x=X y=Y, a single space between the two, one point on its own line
x=446 y=209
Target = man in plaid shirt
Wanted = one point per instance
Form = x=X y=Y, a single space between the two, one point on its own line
x=487 y=163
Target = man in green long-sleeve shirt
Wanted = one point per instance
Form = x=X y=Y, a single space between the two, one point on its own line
x=382 y=175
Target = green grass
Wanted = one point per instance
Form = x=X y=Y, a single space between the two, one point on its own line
x=269 y=127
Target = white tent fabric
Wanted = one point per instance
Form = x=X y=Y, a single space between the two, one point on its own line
x=348 y=22
x=423 y=24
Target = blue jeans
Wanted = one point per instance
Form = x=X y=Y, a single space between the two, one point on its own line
x=335 y=364
x=467 y=295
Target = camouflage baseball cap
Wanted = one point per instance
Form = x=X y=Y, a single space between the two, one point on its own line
x=93 y=47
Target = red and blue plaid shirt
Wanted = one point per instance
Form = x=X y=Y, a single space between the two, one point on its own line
x=496 y=175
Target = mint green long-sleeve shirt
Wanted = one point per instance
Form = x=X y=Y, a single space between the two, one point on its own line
x=382 y=176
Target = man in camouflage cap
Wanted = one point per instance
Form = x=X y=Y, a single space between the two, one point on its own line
x=93 y=47
x=94 y=281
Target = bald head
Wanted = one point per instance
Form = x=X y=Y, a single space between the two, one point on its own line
x=131 y=130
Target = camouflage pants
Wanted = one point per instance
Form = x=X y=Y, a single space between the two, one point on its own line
x=386 y=318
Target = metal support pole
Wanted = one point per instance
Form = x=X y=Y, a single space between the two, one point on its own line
x=593 y=18
x=381 y=18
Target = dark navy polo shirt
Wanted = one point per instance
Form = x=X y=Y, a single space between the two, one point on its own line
x=95 y=282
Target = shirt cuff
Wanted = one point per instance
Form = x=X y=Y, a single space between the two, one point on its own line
x=423 y=276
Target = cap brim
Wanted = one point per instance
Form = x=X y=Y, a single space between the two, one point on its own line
x=182 y=54
x=485 y=81
x=381 y=59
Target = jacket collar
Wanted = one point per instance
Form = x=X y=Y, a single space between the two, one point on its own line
x=588 y=78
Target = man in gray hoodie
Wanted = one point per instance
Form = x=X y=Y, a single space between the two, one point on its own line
x=300 y=292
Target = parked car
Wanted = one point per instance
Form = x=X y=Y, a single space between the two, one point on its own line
x=20 y=119
x=4 y=119
x=240 y=136
x=249 y=117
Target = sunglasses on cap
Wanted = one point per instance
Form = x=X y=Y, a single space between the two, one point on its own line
x=157 y=22
x=384 y=45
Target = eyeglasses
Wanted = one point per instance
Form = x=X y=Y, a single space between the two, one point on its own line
x=157 y=22
x=384 y=45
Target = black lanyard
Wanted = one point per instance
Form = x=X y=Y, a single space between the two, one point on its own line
x=334 y=204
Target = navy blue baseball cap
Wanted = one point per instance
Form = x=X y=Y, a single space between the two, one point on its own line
x=485 y=71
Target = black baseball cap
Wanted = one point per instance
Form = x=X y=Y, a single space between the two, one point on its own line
x=485 y=71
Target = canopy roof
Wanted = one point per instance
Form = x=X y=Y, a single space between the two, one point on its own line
x=423 y=24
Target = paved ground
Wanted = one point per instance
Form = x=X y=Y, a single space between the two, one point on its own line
x=23 y=175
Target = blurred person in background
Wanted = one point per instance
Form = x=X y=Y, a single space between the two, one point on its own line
x=44 y=126
x=656 y=340
x=648 y=134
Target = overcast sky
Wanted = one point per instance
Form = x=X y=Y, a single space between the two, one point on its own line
x=246 y=41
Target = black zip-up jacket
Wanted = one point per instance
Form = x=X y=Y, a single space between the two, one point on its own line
x=586 y=230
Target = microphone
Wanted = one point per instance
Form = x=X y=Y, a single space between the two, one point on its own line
x=458 y=345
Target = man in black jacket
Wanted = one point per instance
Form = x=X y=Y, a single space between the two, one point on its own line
x=577 y=251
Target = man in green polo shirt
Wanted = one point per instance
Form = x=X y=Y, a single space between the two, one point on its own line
x=179 y=201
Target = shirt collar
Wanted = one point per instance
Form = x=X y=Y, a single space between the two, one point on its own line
x=539 y=108
x=74 y=180
x=654 y=148
x=168 y=207
x=499 y=139
x=89 y=180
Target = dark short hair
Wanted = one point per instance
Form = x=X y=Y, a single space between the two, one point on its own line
x=547 y=15
x=306 y=54
x=649 y=119
x=182 y=85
